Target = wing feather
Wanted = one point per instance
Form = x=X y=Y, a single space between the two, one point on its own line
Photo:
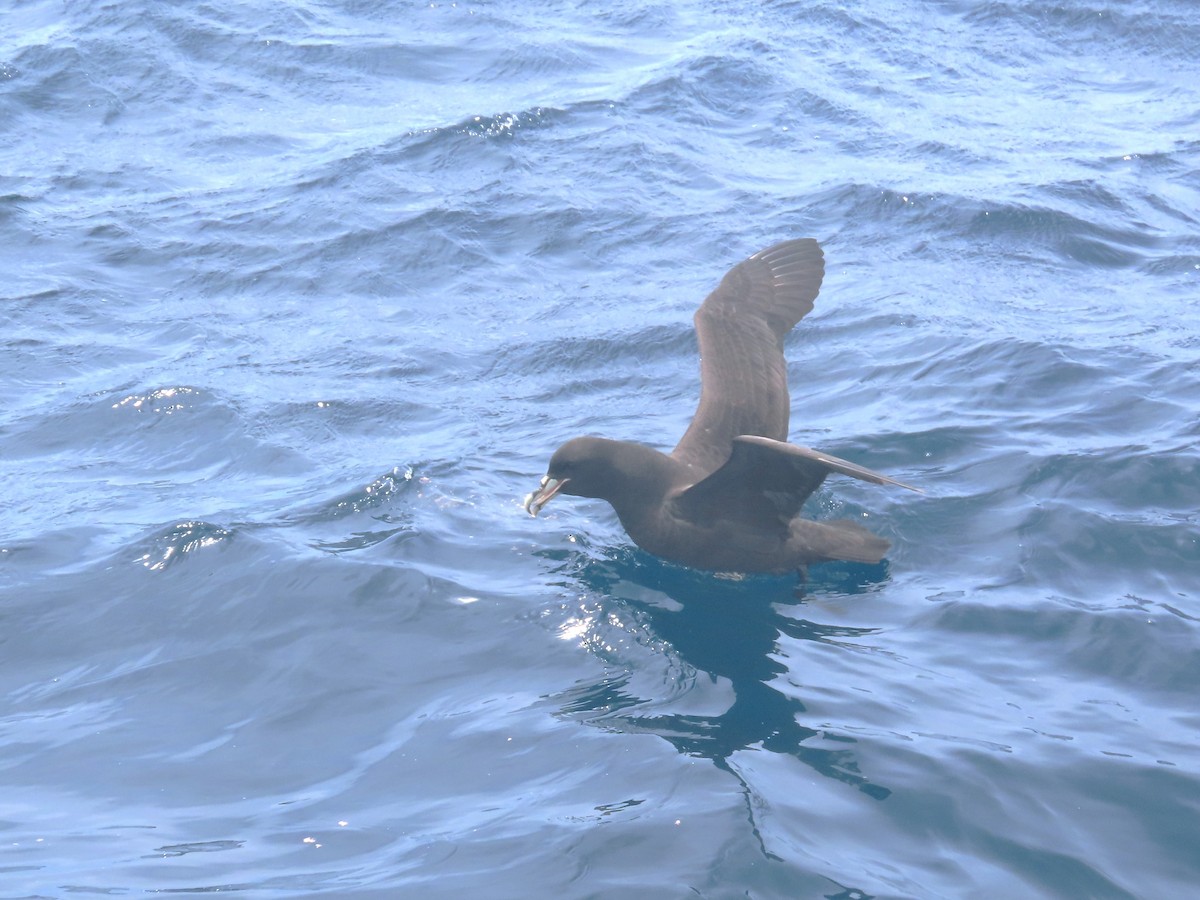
x=740 y=327
x=767 y=481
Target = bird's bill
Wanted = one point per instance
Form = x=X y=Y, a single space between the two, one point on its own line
x=543 y=495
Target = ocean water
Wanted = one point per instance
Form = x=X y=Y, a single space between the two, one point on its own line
x=297 y=300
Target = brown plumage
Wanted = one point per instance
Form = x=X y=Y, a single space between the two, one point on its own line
x=728 y=497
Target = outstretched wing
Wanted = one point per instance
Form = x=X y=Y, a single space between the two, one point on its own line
x=740 y=327
x=767 y=481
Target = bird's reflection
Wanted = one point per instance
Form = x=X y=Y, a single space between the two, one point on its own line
x=729 y=630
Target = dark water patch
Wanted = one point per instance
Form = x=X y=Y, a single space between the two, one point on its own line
x=507 y=124
x=380 y=511
x=729 y=629
x=1104 y=637
x=1071 y=237
x=1058 y=395
x=1080 y=553
x=118 y=422
x=615 y=355
x=1128 y=483
x=806 y=105
x=55 y=81
x=172 y=545
x=1106 y=25
x=1065 y=233
x=200 y=847
x=1181 y=265
x=715 y=91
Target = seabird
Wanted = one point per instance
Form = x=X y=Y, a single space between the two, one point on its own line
x=728 y=497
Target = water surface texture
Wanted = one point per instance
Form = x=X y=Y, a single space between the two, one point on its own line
x=299 y=297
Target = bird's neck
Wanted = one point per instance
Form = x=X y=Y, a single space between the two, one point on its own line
x=645 y=477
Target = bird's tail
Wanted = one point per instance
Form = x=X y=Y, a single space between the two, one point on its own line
x=841 y=539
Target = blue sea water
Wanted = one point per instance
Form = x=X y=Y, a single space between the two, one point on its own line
x=297 y=300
